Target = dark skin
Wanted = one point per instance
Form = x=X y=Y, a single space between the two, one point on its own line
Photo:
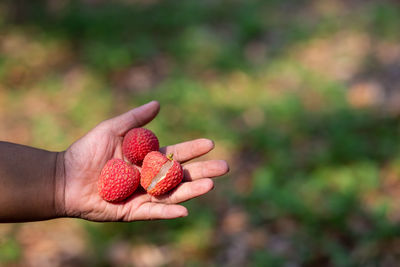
x=37 y=184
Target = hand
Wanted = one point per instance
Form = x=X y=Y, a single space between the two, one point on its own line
x=84 y=160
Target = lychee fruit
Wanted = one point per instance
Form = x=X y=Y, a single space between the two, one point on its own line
x=137 y=143
x=160 y=173
x=118 y=180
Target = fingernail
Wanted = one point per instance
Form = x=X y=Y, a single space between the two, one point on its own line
x=212 y=144
x=184 y=213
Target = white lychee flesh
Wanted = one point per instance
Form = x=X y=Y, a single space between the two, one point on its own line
x=162 y=173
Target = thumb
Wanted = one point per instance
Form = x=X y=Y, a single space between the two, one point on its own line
x=136 y=117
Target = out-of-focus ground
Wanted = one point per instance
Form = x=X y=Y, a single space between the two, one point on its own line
x=301 y=97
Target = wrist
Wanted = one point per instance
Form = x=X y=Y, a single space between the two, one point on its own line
x=59 y=185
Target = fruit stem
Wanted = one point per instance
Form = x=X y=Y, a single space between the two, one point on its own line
x=170 y=156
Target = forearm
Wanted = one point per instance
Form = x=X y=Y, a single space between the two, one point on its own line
x=29 y=187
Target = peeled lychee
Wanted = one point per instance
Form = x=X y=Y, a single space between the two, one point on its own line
x=118 y=180
x=160 y=174
x=137 y=143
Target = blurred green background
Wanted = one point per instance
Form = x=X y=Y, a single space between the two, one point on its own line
x=301 y=97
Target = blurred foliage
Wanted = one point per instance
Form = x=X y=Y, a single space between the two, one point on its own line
x=9 y=251
x=301 y=97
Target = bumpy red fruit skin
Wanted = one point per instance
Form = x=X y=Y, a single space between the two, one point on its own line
x=137 y=143
x=118 y=180
x=152 y=164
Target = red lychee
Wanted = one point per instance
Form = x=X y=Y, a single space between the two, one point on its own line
x=160 y=173
x=118 y=180
x=137 y=143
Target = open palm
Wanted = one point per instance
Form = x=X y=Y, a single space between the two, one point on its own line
x=84 y=160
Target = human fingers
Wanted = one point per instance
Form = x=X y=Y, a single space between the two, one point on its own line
x=186 y=191
x=203 y=169
x=189 y=150
x=155 y=211
x=136 y=117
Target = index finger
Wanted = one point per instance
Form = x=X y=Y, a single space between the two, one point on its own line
x=189 y=150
